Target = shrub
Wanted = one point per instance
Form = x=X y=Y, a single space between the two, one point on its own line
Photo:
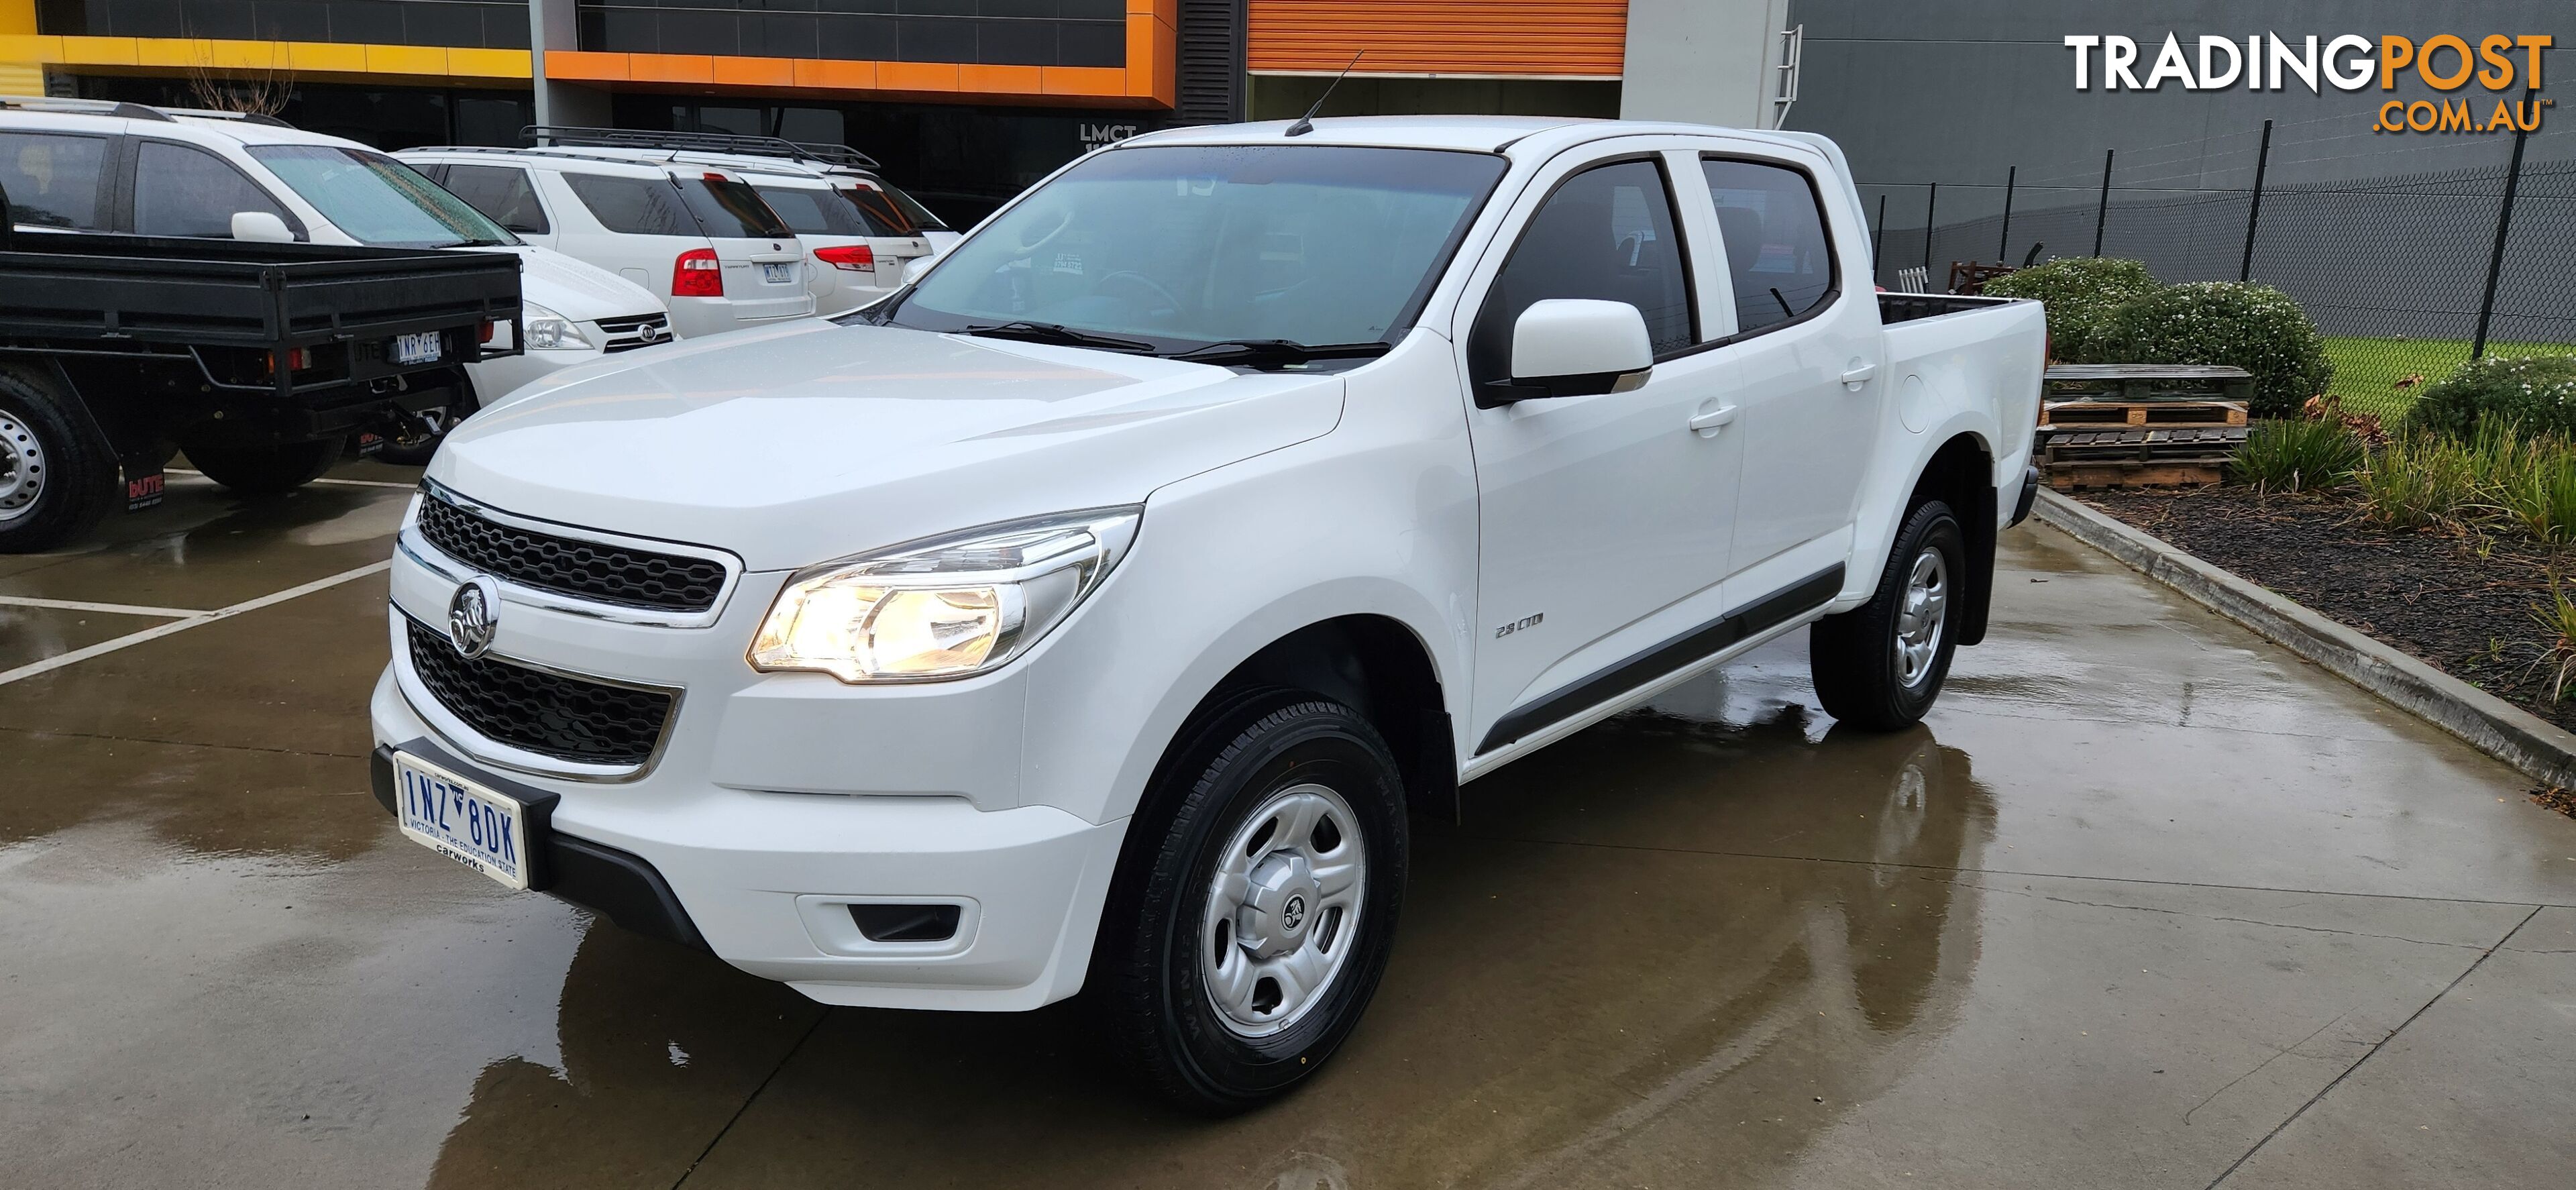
x=2079 y=291
x=2537 y=392
x=2297 y=455
x=2418 y=481
x=2254 y=327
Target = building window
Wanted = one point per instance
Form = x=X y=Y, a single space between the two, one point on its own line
x=988 y=32
x=470 y=24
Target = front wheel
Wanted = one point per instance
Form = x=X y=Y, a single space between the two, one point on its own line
x=1246 y=937
x=1879 y=666
x=264 y=470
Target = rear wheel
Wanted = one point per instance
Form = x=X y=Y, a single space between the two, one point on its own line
x=56 y=477
x=267 y=469
x=1880 y=665
x=1247 y=935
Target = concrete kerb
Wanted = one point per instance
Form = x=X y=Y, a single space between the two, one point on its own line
x=2517 y=737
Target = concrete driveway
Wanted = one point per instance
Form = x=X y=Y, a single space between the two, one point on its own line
x=2146 y=903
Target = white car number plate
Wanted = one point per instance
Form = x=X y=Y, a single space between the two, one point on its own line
x=778 y=274
x=421 y=348
x=461 y=820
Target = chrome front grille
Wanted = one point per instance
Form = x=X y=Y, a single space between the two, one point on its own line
x=627 y=334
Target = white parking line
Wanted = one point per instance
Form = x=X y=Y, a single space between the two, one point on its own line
x=76 y=605
x=346 y=483
x=156 y=632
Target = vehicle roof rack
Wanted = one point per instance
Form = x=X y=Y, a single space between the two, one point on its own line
x=87 y=107
x=217 y=114
x=699 y=142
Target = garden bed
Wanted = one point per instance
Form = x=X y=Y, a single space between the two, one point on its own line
x=2459 y=599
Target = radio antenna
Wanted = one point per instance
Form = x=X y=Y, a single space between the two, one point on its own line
x=1306 y=123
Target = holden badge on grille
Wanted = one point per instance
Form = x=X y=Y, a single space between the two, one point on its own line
x=473 y=614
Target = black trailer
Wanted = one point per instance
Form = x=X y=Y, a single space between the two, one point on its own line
x=260 y=360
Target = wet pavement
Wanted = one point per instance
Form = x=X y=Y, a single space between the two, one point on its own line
x=2146 y=902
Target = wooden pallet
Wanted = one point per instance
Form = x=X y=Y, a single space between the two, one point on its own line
x=2137 y=456
x=2148 y=382
x=2083 y=412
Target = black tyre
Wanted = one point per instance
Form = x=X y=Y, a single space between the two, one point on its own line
x=415 y=450
x=1256 y=906
x=57 y=478
x=1879 y=666
x=264 y=470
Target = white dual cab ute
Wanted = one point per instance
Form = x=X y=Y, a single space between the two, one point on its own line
x=1089 y=615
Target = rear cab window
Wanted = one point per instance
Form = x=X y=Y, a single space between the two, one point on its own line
x=53 y=179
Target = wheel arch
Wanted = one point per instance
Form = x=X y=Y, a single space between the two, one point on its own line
x=1961 y=473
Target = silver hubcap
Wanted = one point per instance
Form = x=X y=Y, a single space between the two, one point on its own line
x=1926 y=611
x=1283 y=909
x=22 y=468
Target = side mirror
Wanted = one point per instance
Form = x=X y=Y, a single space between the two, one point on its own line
x=1579 y=347
x=915 y=267
x=261 y=227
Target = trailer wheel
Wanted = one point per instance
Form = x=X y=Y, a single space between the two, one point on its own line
x=264 y=470
x=57 y=478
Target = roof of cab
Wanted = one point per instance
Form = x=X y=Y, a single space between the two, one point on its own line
x=1485 y=134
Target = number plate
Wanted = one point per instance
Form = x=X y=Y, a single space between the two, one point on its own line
x=778 y=274
x=420 y=348
x=461 y=820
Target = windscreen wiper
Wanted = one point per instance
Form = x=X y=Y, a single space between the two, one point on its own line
x=1057 y=333
x=1275 y=353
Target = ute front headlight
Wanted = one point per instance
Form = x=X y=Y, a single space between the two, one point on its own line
x=943 y=607
x=549 y=331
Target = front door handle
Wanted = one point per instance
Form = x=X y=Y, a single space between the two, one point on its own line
x=1853 y=378
x=1708 y=422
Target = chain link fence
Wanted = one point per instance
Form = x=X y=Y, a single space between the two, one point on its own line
x=2400 y=270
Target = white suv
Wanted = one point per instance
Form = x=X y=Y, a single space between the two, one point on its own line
x=74 y=165
x=696 y=235
x=859 y=230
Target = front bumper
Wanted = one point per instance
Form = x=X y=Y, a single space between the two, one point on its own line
x=766 y=880
x=776 y=802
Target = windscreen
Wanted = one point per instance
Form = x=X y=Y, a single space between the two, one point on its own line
x=377 y=200
x=915 y=216
x=1183 y=244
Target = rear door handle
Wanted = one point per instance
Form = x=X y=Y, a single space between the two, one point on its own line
x=1855 y=377
x=1708 y=423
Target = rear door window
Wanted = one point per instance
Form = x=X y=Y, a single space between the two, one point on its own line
x=502 y=193
x=1773 y=226
x=633 y=206
x=729 y=210
x=180 y=190
x=53 y=179
x=815 y=212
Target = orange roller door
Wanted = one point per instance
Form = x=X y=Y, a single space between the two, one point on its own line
x=1560 y=38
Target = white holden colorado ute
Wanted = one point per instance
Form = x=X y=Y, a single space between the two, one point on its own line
x=1090 y=615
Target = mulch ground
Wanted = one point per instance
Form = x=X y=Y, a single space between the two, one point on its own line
x=2459 y=598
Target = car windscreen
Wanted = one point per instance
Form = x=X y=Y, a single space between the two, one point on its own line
x=730 y=210
x=1191 y=245
x=377 y=200
x=816 y=212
